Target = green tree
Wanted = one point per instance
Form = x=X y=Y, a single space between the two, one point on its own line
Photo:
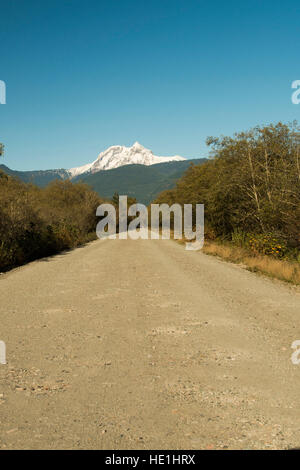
x=251 y=183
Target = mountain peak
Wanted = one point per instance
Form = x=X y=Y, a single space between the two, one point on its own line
x=118 y=155
x=137 y=146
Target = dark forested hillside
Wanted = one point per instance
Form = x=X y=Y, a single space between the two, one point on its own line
x=141 y=182
x=39 y=177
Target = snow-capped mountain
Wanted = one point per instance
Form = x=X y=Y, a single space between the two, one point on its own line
x=118 y=155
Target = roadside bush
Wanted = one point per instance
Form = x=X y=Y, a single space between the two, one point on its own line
x=38 y=222
x=239 y=238
x=267 y=244
x=250 y=188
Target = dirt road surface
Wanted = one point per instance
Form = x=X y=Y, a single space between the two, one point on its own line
x=143 y=345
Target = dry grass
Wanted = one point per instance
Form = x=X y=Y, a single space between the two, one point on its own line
x=231 y=253
x=284 y=270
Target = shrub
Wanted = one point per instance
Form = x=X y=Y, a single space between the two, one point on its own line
x=38 y=222
x=267 y=244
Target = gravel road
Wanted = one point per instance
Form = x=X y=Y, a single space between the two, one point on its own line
x=143 y=345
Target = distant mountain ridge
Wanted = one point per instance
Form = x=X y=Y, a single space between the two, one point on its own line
x=134 y=171
x=39 y=177
x=139 y=181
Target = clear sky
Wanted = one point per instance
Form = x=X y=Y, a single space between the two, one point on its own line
x=84 y=75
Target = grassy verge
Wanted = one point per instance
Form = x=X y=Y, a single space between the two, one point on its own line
x=284 y=270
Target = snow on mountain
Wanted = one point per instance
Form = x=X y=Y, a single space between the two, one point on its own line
x=118 y=155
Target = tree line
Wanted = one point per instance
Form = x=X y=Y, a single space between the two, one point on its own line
x=37 y=222
x=250 y=187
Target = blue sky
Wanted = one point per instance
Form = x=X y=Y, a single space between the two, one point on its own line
x=84 y=75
